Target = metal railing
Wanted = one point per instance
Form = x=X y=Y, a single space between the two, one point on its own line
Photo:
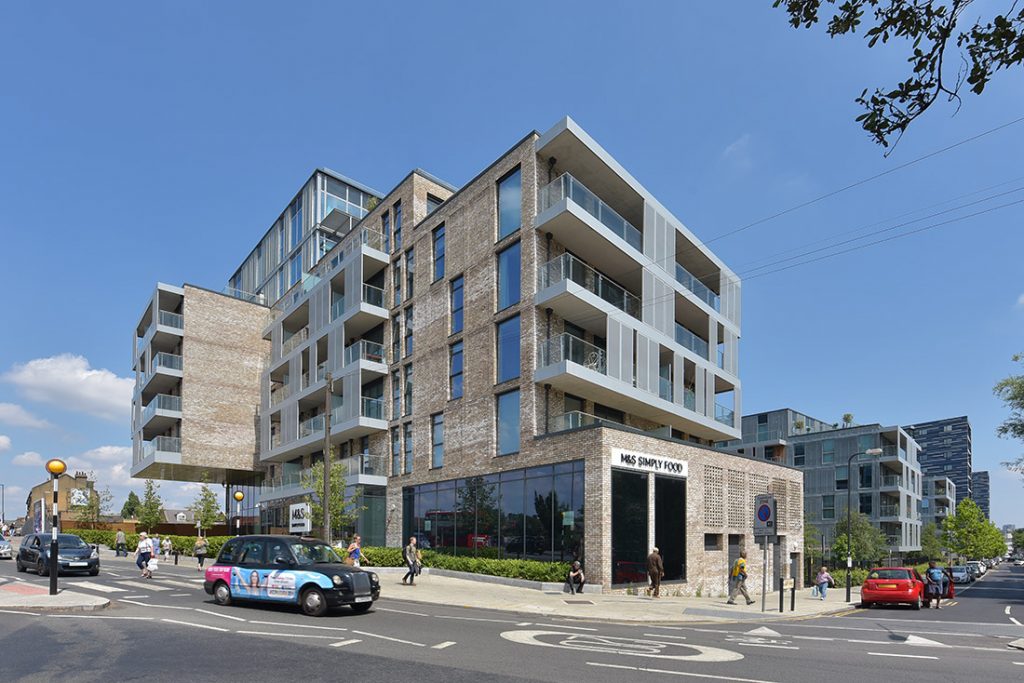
x=373 y=295
x=161 y=402
x=688 y=339
x=364 y=349
x=364 y=463
x=665 y=388
x=725 y=415
x=568 y=267
x=161 y=444
x=575 y=419
x=288 y=345
x=894 y=540
x=889 y=510
x=566 y=186
x=168 y=319
x=571 y=348
x=703 y=292
x=311 y=426
x=891 y=480
x=372 y=408
x=167 y=361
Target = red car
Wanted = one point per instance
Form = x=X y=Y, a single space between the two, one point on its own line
x=895 y=585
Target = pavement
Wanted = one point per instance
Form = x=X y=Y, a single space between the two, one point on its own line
x=18 y=595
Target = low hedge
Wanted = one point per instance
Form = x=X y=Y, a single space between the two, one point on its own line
x=181 y=544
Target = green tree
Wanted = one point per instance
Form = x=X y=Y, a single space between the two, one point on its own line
x=1011 y=392
x=344 y=507
x=869 y=543
x=131 y=506
x=847 y=419
x=943 y=53
x=931 y=541
x=964 y=532
x=206 y=507
x=1018 y=539
x=151 y=511
x=97 y=504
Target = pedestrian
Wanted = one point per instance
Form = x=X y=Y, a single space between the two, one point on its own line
x=199 y=550
x=166 y=546
x=934 y=588
x=738 y=580
x=151 y=567
x=822 y=582
x=576 y=578
x=120 y=544
x=412 y=556
x=143 y=552
x=655 y=572
x=354 y=553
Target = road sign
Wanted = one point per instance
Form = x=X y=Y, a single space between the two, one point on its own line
x=764 y=515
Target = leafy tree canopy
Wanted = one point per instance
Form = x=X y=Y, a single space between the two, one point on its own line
x=1011 y=392
x=869 y=543
x=131 y=506
x=152 y=508
x=344 y=508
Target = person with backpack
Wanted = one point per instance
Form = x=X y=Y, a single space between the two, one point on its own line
x=934 y=588
x=738 y=580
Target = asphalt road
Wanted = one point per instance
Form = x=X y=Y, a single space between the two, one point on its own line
x=168 y=629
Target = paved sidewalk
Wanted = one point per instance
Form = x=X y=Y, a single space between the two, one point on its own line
x=19 y=595
x=444 y=590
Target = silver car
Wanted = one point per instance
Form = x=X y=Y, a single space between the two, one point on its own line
x=961 y=574
x=5 y=549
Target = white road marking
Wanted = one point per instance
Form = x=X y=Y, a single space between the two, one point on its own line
x=89 y=585
x=113 y=574
x=574 y=628
x=777 y=647
x=875 y=630
x=677 y=673
x=218 y=614
x=496 y=621
x=441 y=646
x=14 y=611
x=177 y=584
x=277 y=623
x=400 y=611
x=343 y=643
x=812 y=638
x=664 y=635
x=395 y=640
x=284 y=635
x=148 y=586
x=148 y=604
x=1015 y=621
x=1007 y=611
x=524 y=623
x=764 y=631
x=635 y=647
x=918 y=640
x=96 y=616
x=893 y=654
x=188 y=623
x=137 y=597
x=179 y=595
x=670 y=628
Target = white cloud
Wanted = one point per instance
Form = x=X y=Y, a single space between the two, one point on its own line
x=737 y=153
x=16 y=416
x=121 y=454
x=5 y=442
x=28 y=459
x=14 y=490
x=68 y=381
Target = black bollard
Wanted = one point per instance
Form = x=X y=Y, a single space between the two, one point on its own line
x=782 y=595
x=175 y=558
x=792 y=597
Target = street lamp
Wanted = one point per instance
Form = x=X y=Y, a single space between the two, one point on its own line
x=239 y=495
x=55 y=467
x=872 y=452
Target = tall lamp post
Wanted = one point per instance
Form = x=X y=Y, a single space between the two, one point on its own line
x=239 y=495
x=55 y=467
x=872 y=452
x=325 y=503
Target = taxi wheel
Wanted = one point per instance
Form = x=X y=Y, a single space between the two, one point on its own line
x=362 y=607
x=222 y=594
x=313 y=602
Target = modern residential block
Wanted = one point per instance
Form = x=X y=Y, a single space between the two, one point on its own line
x=938 y=499
x=980 y=494
x=946 y=451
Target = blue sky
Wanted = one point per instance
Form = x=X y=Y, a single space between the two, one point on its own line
x=157 y=141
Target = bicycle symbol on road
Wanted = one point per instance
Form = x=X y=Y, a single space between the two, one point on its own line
x=636 y=647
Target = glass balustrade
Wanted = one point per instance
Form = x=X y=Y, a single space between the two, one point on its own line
x=364 y=463
x=292 y=342
x=571 y=348
x=892 y=480
x=725 y=415
x=373 y=408
x=894 y=540
x=665 y=389
x=689 y=340
x=161 y=444
x=689 y=398
x=169 y=319
x=278 y=394
x=568 y=267
x=889 y=510
x=686 y=279
x=167 y=361
x=566 y=186
x=364 y=349
x=338 y=307
x=373 y=295
x=575 y=419
x=161 y=402
x=311 y=426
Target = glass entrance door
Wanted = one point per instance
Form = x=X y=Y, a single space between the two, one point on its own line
x=670 y=525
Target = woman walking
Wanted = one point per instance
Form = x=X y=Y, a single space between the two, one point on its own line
x=411 y=556
x=199 y=550
x=823 y=580
x=143 y=553
x=354 y=553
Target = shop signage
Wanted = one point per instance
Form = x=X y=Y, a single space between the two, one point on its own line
x=300 y=518
x=644 y=462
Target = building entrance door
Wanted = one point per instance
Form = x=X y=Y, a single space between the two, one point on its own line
x=629 y=527
x=670 y=525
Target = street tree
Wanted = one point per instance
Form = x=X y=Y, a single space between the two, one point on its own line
x=151 y=511
x=969 y=534
x=131 y=506
x=944 y=51
x=869 y=543
x=931 y=541
x=344 y=506
x=1018 y=539
x=97 y=504
x=814 y=545
x=1011 y=392
x=206 y=508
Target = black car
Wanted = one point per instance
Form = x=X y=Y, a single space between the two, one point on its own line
x=73 y=554
x=289 y=569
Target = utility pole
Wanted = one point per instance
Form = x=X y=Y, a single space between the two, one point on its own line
x=325 y=503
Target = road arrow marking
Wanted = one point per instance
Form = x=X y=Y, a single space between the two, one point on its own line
x=1019 y=643
x=918 y=640
x=764 y=631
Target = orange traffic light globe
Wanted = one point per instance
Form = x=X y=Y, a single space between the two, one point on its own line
x=56 y=466
x=239 y=496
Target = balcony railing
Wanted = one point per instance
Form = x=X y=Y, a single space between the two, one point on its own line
x=245 y=296
x=311 y=426
x=364 y=349
x=167 y=361
x=278 y=394
x=894 y=540
x=889 y=510
x=275 y=440
x=665 y=388
x=941 y=511
x=290 y=344
x=372 y=408
x=338 y=308
x=686 y=279
x=568 y=267
x=571 y=348
x=566 y=186
x=286 y=480
x=161 y=402
x=321 y=372
x=575 y=419
x=373 y=295
x=364 y=463
x=688 y=339
x=364 y=236
x=725 y=415
x=892 y=480
x=689 y=398
x=168 y=319
x=161 y=444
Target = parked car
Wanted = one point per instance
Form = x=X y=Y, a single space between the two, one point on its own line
x=1018 y=563
x=288 y=569
x=961 y=574
x=73 y=555
x=976 y=568
x=892 y=585
x=5 y=549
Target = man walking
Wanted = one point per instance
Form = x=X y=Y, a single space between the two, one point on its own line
x=120 y=544
x=411 y=556
x=655 y=570
x=738 y=580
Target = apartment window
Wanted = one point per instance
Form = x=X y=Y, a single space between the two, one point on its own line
x=864 y=442
x=437 y=440
x=828 y=451
x=385 y=228
x=282 y=243
x=510 y=204
x=866 y=506
x=508 y=422
x=842 y=478
x=410 y=270
x=439 y=252
x=295 y=269
x=407 y=377
x=396 y=338
x=947 y=468
x=508 y=349
x=396 y=281
x=407 y=438
x=396 y=395
x=297 y=222
x=432 y=203
x=509 y=276
x=408 y=332
x=798 y=455
x=455 y=369
x=947 y=428
x=609 y=414
x=398 y=225
x=396 y=452
x=866 y=476
x=828 y=507
x=457 y=303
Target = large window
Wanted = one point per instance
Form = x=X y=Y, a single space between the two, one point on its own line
x=509 y=275
x=396 y=338
x=510 y=204
x=407 y=371
x=437 y=440
x=385 y=228
x=455 y=368
x=398 y=226
x=295 y=269
x=828 y=451
x=408 y=332
x=407 y=438
x=457 y=304
x=508 y=422
x=396 y=452
x=410 y=271
x=629 y=526
x=842 y=478
x=396 y=281
x=866 y=472
x=396 y=395
x=828 y=507
x=508 y=349
x=296 y=222
x=866 y=507
x=439 y=252
x=798 y=455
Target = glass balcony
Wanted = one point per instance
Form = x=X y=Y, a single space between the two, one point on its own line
x=275 y=440
x=889 y=510
x=161 y=444
x=566 y=186
x=364 y=349
x=892 y=480
x=373 y=295
x=364 y=236
x=372 y=408
x=573 y=349
x=278 y=394
x=168 y=319
x=321 y=372
x=244 y=296
x=665 y=389
x=364 y=463
x=338 y=308
x=286 y=480
x=575 y=419
x=168 y=361
x=725 y=415
x=689 y=398
x=292 y=342
x=689 y=340
x=311 y=426
x=893 y=540
x=161 y=402
x=941 y=511
x=568 y=267
x=686 y=279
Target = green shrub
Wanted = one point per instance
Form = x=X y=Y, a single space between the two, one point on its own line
x=531 y=570
x=181 y=544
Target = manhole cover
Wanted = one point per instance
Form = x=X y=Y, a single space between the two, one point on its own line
x=578 y=602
